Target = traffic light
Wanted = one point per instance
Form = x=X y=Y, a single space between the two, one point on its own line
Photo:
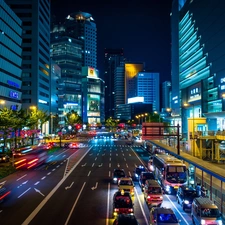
x=78 y=126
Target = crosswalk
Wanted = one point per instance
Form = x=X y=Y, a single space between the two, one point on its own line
x=108 y=145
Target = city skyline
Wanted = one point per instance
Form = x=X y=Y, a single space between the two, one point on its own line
x=143 y=32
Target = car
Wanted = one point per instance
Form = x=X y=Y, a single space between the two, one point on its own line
x=73 y=145
x=185 y=196
x=117 y=174
x=138 y=171
x=122 y=203
x=126 y=184
x=145 y=176
x=4 y=157
x=124 y=219
x=3 y=193
x=163 y=216
x=66 y=145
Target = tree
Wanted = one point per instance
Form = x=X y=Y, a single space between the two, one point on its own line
x=6 y=123
x=36 y=119
x=72 y=118
x=111 y=123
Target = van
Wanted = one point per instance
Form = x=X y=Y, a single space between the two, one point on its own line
x=153 y=193
x=204 y=211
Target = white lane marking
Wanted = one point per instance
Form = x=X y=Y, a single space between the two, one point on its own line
x=95 y=158
x=109 y=173
x=124 y=159
x=37 y=183
x=57 y=166
x=129 y=173
x=68 y=218
x=41 y=205
x=109 y=164
x=24 y=193
x=18 y=178
x=68 y=187
x=38 y=191
x=43 y=178
x=122 y=154
x=177 y=210
x=49 y=173
x=53 y=169
x=142 y=210
x=89 y=173
x=127 y=165
x=107 y=209
x=93 y=164
x=96 y=185
x=110 y=159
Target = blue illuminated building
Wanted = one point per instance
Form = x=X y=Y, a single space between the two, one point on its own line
x=10 y=58
x=198 y=43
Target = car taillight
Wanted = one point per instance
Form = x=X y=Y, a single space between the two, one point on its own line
x=148 y=197
x=161 y=197
x=116 y=210
x=130 y=210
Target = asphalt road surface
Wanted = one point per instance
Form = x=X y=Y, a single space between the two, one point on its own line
x=75 y=187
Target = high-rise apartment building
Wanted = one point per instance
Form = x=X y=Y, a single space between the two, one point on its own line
x=35 y=16
x=198 y=38
x=113 y=59
x=10 y=58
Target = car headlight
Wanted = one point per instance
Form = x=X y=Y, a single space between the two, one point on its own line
x=115 y=179
x=136 y=175
x=186 y=202
x=202 y=222
x=167 y=187
x=219 y=222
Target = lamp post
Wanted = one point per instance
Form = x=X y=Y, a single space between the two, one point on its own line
x=193 y=125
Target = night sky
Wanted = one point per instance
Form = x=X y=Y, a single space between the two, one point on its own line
x=140 y=27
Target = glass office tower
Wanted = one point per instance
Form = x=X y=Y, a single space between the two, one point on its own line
x=10 y=58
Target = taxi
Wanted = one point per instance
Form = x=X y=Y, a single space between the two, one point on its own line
x=126 y=184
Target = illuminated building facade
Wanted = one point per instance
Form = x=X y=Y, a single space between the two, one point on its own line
x=200 y=66
x=147 y=86
x=93 y=97
x=131 y=70
x=10 y=58
x=113 y=59
x=166 y=94
x=35 y=16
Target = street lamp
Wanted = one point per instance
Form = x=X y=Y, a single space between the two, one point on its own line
x=193 y=124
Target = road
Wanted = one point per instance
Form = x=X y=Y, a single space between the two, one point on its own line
x=78 y=190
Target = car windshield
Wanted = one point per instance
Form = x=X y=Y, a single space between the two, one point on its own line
x=214 y=213
x=147 y=176
x=126 y=182
x=119 y=173
x=167 y=218
x=123 y=202
x=139 y=170
x=190 y=194
x=154 y=190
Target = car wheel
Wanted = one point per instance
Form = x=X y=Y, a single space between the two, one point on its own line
x=184 y=208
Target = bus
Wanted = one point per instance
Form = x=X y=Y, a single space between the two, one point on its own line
x=31 y=159
x=170 y=172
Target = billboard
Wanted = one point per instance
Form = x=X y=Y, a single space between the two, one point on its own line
x=93 y=105
x=152 y=131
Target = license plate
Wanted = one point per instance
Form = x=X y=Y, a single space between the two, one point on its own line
x=175 y=187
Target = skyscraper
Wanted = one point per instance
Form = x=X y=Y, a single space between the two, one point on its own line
x=73 y=45
x=10 y=58
x=35 y=15
x=166 y=94
x=113 y=59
